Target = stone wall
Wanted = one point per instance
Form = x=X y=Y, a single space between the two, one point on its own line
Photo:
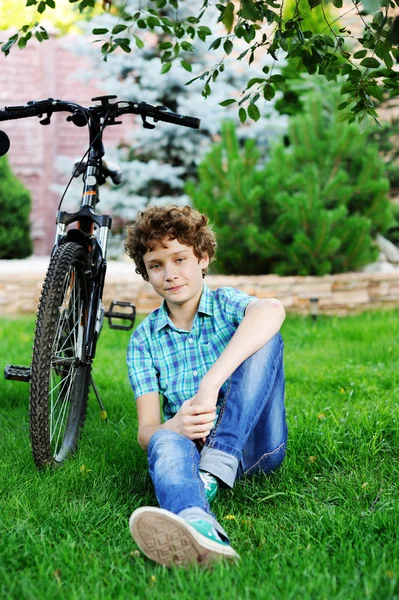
x=21 y=281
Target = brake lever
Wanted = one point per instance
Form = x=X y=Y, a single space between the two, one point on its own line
x=46 y=120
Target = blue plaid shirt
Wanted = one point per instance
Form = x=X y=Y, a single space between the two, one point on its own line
x=163 y=358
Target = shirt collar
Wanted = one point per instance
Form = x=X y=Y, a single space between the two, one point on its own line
x=205 y=306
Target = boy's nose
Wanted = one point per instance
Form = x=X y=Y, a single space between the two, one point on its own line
x=170 y=273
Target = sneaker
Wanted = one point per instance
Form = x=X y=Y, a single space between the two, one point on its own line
x=170 y=540
x=211 y=485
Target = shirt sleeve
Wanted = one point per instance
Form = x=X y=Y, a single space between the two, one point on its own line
x=233 y=303
x=143 y=376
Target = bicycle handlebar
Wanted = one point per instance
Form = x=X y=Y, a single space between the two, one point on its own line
x=111 y=111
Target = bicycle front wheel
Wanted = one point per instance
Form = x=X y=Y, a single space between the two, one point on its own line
x=60 y=373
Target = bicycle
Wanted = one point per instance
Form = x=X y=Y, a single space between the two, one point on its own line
x=70 y=312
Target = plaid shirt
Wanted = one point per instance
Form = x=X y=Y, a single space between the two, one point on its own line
x=162 y=358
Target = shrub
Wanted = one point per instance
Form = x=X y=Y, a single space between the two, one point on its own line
x=15 y=206
x=313 y=209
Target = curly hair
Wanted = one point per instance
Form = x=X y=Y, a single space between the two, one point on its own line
x=157 y=223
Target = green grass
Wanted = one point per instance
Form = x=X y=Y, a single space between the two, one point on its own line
x=324 y=526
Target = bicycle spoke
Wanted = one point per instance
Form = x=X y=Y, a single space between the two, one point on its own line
x=53 y=405
x=63 y=410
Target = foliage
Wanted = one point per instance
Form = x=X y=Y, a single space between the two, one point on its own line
x=156 y=163
x=313 y=209
x=365 y=58
x=327 y=520
x=15 y=205
x=14 y=14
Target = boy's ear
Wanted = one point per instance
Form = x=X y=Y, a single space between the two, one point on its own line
x=204 y=261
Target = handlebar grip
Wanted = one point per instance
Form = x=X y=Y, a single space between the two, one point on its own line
x=191 y=122
x=175 y=119
x=18 y=113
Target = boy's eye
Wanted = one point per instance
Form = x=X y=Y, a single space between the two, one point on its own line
x=180 y=259
x=155 y=266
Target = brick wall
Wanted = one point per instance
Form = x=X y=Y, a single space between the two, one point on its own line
x=41 y=71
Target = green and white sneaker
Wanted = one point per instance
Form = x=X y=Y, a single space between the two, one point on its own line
x=170 y=540
x=211 y=485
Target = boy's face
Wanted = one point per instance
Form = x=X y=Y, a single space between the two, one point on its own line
x=175 y=272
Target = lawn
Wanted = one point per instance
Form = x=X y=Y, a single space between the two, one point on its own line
x=325 y=526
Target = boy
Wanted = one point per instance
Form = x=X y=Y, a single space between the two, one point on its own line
x=217 y=359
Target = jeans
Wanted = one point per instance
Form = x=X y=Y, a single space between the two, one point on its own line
x=249 y=437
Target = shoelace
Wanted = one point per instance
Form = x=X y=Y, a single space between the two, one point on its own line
x=208 y=480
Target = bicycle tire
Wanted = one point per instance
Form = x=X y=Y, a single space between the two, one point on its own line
x=60 y=373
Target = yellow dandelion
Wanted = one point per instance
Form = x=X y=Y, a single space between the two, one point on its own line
x=390 y=574
x=84 y=470
x=365 y=484
x=321 y=416
x=229 y=518
x=312 y=459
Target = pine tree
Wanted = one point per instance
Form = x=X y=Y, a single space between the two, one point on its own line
x=15 y=205
x=313 y=209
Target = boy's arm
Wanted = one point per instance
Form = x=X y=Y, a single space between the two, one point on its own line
x=194 y=422
x=262 y=320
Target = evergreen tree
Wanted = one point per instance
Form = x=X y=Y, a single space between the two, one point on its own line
x=313 y=209
x=15 y=205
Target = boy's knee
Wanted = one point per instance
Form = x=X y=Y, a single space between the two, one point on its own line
x=265 y=358
x=165 y=440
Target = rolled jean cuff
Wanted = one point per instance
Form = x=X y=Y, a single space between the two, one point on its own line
x=197 y=513
x=220 y=464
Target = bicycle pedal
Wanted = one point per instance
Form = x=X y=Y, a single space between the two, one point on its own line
x=17 y=373
x=124 y=316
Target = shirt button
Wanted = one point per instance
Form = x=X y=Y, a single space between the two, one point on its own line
x=190 y=340
x=195 y=373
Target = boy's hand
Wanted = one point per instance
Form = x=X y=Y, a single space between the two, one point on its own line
x=194 y=422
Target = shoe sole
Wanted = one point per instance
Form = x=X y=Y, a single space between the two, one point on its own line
x=169 y=540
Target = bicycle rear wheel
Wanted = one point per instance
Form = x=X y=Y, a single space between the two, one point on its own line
x=60 y=375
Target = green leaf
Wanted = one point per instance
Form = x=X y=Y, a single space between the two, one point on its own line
x=31 y=2
x=139 y=42
x=99 y=31
x=50 y=3
x=118 y=29
x=227 y=102
x=228 y=16
x=254 y=80
x=337 y=3
x=215 y=44
x=253 y=112
x=344 y=116
x=38 y=36
x=371 y=6
x=269 y=92
x=370 y=63
x=242 y=115
x=41 y=7
x=228 y=46
x=166 y=67
x=360 y=54
x=249 y=11
x=388 y=60
x=186 y=65
x=6 y=47
x=277 y=78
